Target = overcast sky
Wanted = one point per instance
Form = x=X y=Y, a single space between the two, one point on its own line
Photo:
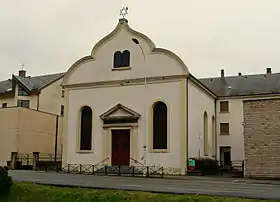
x=50 y=35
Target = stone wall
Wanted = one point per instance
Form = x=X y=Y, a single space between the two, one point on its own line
x=262 y=138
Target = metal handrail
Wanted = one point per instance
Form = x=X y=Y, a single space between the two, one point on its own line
x=106 y=159
x=136 y=161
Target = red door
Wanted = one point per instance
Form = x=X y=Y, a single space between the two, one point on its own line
x=120 y=147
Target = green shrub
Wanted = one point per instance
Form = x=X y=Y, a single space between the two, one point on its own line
x=5 y=181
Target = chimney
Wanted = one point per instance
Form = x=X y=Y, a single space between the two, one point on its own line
x=222 y=73
x=239 y=74
x=268 y=70
x=22 y=73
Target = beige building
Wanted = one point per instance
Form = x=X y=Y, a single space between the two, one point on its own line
x=42 y=93
x=262 y=138
x=25 y=131
x=31 y=115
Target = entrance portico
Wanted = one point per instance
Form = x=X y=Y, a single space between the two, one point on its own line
x=120 y=125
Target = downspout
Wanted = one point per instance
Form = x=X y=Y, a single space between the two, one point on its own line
x=38 y=101
x=187 y=124
x=56 y=136
x=215 y=129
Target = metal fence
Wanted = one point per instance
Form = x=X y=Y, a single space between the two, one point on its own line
x=31 y=160
x=234 y=169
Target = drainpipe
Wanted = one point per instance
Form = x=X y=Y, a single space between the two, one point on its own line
x=187 y=124
x=38 y=101
x=56 y=135
x=216 y=136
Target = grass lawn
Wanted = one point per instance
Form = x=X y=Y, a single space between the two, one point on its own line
x=28 y=192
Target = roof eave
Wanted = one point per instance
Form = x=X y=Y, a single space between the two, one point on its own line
x=51 y=82
x=201 y=85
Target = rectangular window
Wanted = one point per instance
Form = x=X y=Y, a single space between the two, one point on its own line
x=22 y=92
x=4 y=105
x=62 y=93
x=62 y=110
x=224 y=106
x=224 y=128
x=23 y=103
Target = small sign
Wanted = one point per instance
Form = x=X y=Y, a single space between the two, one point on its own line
x=191 y=165
x=192 y=162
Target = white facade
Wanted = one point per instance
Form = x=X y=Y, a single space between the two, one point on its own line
x=130 y=97
x=235 y=118
x=130 y=92
x=235 y=138
x=200 y=102
x=153 y=75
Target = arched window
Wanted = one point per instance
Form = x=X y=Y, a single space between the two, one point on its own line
x=122 y=59
x=117 y=59
x=205 y=136
x=126 y=58
x=213 y=137
x=160 y=126
x=86 y=128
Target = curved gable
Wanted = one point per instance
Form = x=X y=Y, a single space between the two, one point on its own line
x=99 y=65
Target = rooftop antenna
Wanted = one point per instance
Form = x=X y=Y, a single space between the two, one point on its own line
x=124 y=12
x=22 y=66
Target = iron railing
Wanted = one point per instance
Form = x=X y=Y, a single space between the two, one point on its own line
x=46 y=162
x=236 y=169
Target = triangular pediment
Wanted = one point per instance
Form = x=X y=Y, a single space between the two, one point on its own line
x=119 y=112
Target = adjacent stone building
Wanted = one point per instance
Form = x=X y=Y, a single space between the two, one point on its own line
x=262 y=138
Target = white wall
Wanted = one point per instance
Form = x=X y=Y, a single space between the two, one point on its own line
x=235 y=138
x=50 y=99
x=155 y=63
x=235 y=118
x=137 y=98
x=199 y=102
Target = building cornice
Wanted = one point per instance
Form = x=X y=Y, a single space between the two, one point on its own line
x=126 y=82
x=251 y=96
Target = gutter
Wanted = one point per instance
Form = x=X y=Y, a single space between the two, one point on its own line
x=56 y=136
x=187 y=124
x=215 y=131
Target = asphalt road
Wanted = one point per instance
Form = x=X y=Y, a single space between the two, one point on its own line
x=188 y=186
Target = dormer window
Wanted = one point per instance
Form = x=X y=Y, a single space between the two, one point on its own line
x=22 y=92
x=122 y=59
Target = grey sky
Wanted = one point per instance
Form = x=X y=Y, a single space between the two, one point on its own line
x=50 y=35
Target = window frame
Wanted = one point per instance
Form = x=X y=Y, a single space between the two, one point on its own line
x=79 y=132
x=4 y=105
x=20 y=103
x=62 y=110
x=121 y=60
x=226 y=108
x=157 y=148
x=205 y=134
x=228 y=128
x=22 y=92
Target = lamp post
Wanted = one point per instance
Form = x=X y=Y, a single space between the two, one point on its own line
x=144 y=114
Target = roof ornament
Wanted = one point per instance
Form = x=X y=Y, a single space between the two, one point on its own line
x=124 y=12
